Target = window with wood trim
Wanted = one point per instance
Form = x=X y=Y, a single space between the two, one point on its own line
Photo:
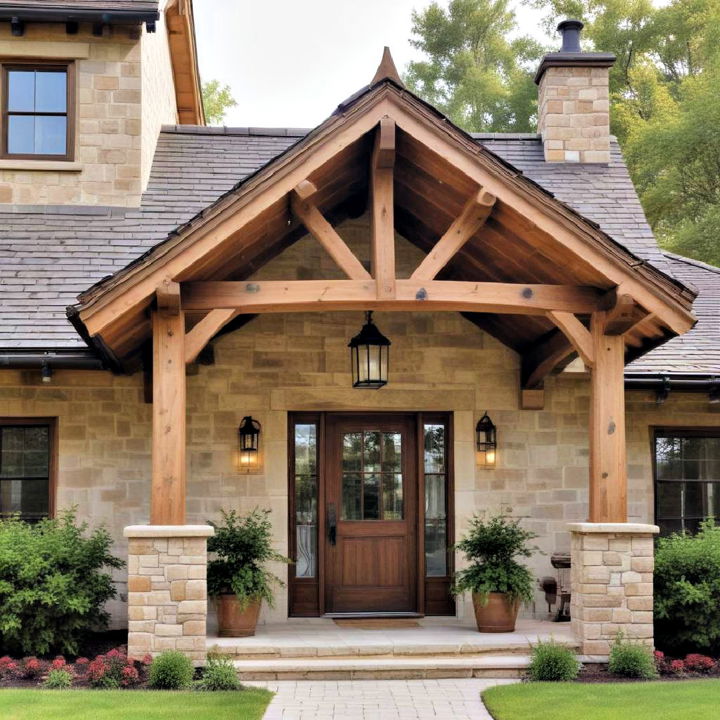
x=687 y=477
x=27 y=467
x=38 y=111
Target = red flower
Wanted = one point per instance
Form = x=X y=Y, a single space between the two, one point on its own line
x=81 y=664
x=699 y=663
x=677 y=666
x=58 y=663
x=32 y=667
x=113 y=653
x=659 y=655
x=7 y=666
x=147 y=660
x=130 y=676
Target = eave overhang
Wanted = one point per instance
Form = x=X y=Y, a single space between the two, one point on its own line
x=108 y=15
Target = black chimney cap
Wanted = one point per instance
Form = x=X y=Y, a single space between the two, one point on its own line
x=570 y=31
x=570 y=54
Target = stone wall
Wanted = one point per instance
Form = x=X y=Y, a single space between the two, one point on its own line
x=124 y=92
x=574 y=114
x=279 y=363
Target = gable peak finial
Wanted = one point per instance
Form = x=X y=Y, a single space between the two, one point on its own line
x=387 y=70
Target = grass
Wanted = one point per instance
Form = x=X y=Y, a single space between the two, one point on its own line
x=696 y=699
x=132 y=705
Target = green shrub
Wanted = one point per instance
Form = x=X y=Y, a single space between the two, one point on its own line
x=631 y=659
x=552 y=662
x=491 y=547
x=687 y=592
x=219 y=674
x=58 y=680
x=170 y=670
x=52 y=585
x=243 y=544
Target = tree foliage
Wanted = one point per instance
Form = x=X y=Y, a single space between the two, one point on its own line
x=665 y=104
x=217 y=100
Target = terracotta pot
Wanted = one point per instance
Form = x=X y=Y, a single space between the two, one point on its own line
x=234 y=622
x=498 y=616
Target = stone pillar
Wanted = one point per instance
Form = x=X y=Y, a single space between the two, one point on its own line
x=167 y=589
x=611 y=583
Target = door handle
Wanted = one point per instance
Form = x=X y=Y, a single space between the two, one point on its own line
x=332 y=523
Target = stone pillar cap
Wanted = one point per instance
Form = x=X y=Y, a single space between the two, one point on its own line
x=168 y=531
x=614 y=528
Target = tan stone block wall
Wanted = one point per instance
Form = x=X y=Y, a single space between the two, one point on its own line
x=158 y=91
x=612 y=589
x=574 y=114
x=167 y=598
x=279 y=363
x=124 y=92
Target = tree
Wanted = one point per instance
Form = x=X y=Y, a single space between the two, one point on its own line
x=479 y=78
x=216 y=101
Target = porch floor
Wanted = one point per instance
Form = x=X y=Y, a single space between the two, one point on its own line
x=437 y=647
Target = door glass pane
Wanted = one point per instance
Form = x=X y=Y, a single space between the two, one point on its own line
x=391 y=452
x=434 y=496
x=434 y=448
x=50 y=91
x=305 y=453
x=50 y=135
x=392 y=497
x=435 y=469
x=21 y=90
x=371 y=454
x=371 y=496
x=351 y=496
x=435 y=548
x=352 y=452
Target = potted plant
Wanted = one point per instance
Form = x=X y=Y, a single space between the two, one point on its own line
x=498 y=582
x=237 y=576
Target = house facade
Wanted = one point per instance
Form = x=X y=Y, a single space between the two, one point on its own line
x=162 y=281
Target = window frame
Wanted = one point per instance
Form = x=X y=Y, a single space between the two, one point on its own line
x=52 y=424
x=672 y=431
x=62 y=65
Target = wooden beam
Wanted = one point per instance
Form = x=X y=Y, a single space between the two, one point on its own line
x=543 y=358
x=608 y=461
x=308 y=213
x=623 y=314
x=576 y=333
x=382 y=209
x=327 y=295
x=471 y=219
x=532 y=399
x=168 y=297
x=167 y=500
x=205 y=330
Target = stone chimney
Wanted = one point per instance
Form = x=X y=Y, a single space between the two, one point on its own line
x=574 y=102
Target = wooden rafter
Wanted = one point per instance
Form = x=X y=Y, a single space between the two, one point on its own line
x=308 y=213
x=624 y=313
x=444 y=295
x=382 y=208
x=205 y=330
x=471 y=219
x=543 y=358
x=578 y=335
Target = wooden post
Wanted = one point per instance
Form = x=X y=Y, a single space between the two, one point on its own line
x=608 y=460
x=167 y=503
x=382 y=209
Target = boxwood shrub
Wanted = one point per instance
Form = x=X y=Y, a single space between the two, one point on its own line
x=53 y=587
x=552 y=662
x=687 y=592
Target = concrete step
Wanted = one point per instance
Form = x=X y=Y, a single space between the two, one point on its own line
x=494 y=665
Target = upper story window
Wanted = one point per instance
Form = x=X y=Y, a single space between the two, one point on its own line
x=37 y=112
x=26 y=467
x=687 y=478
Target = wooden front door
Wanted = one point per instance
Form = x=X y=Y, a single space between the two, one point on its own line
x=371 y=514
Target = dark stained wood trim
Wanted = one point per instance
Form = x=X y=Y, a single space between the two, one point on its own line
x=52 y=423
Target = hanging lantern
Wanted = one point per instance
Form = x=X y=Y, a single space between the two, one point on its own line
x=249 y=436
x=486 y=441
x=369 y=356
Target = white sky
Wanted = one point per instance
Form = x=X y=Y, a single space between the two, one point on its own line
x=290 y=62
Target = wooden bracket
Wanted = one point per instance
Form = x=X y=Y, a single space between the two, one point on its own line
x=168 y=297
x=576 y=333
x=622 y=313
x=308 y=213
x=473 y=216
x=205 y=330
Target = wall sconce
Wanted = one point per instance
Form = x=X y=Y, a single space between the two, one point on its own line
x=249 y=439
x=486 y=441
x=369 y=356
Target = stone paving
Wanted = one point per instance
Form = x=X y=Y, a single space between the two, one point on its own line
x=378 y=699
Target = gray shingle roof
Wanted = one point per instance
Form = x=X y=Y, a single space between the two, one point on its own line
x=50 y=254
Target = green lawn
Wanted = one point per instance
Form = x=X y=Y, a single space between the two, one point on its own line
x=132 y=705
x=691 y=700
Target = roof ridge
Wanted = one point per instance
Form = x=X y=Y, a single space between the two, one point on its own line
x=228 y=130
x=691 y=261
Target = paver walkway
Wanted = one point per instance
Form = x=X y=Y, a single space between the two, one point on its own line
x=378 y=699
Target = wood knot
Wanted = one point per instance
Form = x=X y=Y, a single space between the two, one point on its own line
x=421 y=294
x=252 y=288
x=527 y=293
